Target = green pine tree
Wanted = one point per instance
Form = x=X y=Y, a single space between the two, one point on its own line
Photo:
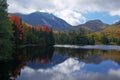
x=105 y=40
x=5 y=32
x=51 y=40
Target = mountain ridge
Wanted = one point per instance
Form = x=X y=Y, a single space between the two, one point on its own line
x=42 y=18
x=93 y=25
x=113 y=31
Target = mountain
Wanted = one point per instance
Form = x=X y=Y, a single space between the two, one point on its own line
x=93 y=26
x=43 y=19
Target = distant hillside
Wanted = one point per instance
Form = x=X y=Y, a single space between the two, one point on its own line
x=111 y=31
x=44 y=19
x=93 y=26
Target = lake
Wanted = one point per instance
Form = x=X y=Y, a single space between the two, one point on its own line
x=64 y=63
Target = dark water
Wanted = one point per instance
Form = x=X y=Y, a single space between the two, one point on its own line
x=43 y=63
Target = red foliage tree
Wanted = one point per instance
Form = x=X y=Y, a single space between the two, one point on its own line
x=17 y=28
x=46 y=29
x=16 y=20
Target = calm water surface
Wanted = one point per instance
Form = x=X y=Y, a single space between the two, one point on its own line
x=36 y=63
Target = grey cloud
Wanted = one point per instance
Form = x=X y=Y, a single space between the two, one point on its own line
x=98 y=5
x=52 y=6
x=83 y=5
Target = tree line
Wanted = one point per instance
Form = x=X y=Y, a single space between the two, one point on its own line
x=81 y=38
x=25 y=34
x=14 y=33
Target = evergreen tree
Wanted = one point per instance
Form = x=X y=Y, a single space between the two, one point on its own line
x=105 y=40
x=51 y=39
x=118 y=41
x=91 y=40
x=5 y=32
x=82 y=38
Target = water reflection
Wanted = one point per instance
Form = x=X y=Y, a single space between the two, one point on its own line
x=11 y=69
x=45 y=63
x=78 y=64
x=91 y=56
x=70 y=69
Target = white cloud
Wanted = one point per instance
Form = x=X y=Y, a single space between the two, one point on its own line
x=115 y=13
x=114 y=72
x=116 y=21
x=70 y=65
x=70 y=16
x=65 y=9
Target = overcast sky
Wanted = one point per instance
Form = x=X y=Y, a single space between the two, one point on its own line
x=73 y=11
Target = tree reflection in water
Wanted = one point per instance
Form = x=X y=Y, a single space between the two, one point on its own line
x=40 y=58
x=10 y=69
x=94 y=56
